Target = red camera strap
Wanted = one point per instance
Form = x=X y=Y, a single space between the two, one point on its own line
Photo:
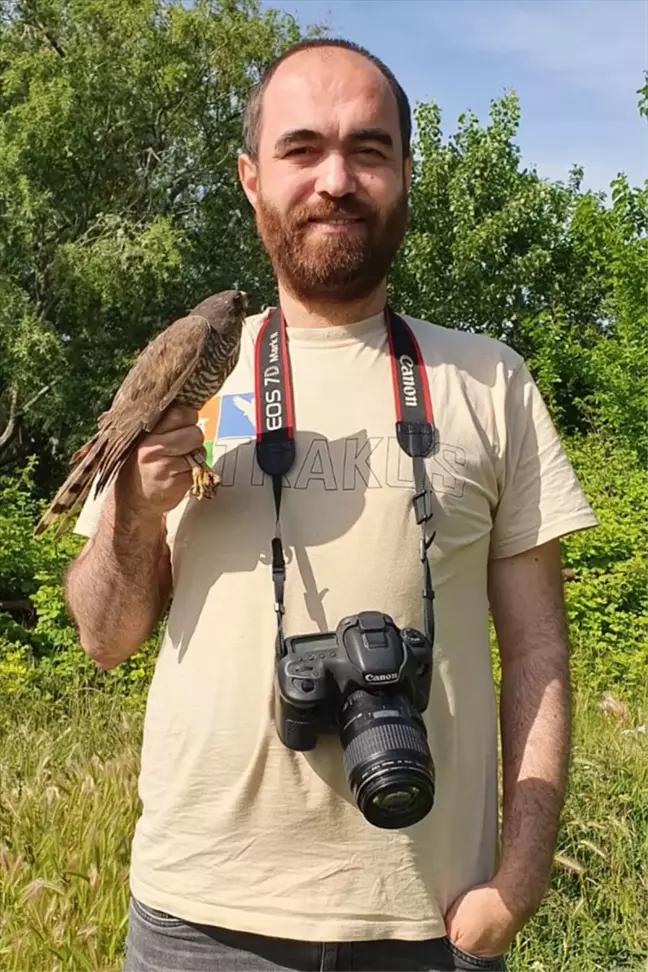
x=275 y=421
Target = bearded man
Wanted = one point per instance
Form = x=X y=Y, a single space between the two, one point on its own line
x=379 y=473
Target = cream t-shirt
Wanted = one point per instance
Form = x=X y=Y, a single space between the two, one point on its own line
x=235 y=829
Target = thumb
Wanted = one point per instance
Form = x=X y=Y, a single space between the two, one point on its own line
x=451 y=914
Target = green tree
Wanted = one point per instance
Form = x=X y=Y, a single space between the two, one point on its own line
x=490 y=250
x=119 y=201
x=617 y=366
x=120 y=207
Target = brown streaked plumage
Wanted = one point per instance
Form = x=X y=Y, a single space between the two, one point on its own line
x=186 y=365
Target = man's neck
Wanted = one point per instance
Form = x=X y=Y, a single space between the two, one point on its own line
x=299 y=313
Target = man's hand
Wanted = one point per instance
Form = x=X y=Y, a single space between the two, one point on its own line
x=480 y=922
x=157 y=476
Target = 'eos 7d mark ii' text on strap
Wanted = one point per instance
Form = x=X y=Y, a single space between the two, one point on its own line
x=275 y=446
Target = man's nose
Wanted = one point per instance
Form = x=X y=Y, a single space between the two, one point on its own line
x=335 y=176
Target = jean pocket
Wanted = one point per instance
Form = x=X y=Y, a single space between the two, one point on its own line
x=475 y=963
x=159 y=919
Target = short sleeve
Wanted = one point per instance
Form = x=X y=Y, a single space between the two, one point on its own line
x=88 y=520
x=540 y=497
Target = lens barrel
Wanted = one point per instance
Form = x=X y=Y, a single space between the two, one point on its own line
x=387 y=759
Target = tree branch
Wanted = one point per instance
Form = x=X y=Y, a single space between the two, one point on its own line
x=10 y=427
x=39 y=394
x=18 y=606
x=52 y=40
x=16 y=413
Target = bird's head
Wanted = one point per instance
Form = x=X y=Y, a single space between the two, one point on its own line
x=224 y=311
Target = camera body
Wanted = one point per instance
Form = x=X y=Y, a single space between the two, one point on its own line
x=367 y=682
x=319 y=672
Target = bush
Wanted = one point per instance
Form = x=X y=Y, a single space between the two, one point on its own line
x=43 y=651
x=607 y=605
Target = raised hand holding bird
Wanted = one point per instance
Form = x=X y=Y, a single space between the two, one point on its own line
x=186 y=364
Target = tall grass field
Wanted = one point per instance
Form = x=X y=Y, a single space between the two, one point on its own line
x=68 y=805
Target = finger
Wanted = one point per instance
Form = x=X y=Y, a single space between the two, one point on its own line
x=190 y=459
x=167 y=469
x=179 y=467
x=176 y=417
x=175 y=443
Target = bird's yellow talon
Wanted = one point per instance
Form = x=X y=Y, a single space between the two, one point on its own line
x=205 y=482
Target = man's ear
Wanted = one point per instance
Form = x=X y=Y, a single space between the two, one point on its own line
x=248 y=174
x=407 y=171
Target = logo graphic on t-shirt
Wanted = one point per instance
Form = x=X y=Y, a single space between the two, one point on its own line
x=208 y=423
x=227 y=417
x=236 y=419
x=355 y=462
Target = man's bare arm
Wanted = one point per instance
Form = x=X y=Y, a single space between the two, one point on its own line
x=119 y=586
x=526 y=596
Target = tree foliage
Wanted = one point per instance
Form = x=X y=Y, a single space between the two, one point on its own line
x=119 y=128
x=487 y=247
x=556 y=272
x=120 y=207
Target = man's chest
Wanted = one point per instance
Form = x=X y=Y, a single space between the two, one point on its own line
x=347 y=453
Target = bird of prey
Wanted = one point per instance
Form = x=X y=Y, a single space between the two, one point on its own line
x=186 y=364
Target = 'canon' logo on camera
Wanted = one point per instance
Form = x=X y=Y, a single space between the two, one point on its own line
x=390 y=677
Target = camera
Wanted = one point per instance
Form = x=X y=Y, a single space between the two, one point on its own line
x=368 y=682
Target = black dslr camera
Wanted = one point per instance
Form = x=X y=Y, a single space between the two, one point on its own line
x=367 y=682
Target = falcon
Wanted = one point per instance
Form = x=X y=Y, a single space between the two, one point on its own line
x=186 y=364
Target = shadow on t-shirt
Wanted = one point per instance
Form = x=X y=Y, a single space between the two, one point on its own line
x=233 y=531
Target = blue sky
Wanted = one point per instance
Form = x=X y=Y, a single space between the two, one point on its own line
x=575 y=65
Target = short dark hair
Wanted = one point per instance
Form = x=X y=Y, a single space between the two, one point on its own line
x=253 y=109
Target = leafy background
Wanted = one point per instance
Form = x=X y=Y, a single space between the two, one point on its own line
x=119 y=209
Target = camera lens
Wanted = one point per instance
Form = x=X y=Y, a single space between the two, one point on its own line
x=387 y=759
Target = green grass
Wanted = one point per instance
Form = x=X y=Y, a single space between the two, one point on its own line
x=68 y=805
x=594 y=916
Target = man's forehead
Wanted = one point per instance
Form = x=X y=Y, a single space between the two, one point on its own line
x=322 y=78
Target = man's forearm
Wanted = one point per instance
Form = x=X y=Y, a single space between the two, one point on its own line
x=535 y=724
x=116 y=591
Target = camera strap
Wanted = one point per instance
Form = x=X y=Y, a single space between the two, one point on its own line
x=275 y=445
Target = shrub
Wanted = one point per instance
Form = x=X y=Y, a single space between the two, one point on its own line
x=43 y=651
x=606 y=602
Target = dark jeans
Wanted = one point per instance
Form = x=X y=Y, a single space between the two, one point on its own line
x=158 y=942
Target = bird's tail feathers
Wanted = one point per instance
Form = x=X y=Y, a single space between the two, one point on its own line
x=115 y=457
x=76 y=487
x=98 y=461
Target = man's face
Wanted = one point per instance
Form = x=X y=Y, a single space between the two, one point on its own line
x=329 y=187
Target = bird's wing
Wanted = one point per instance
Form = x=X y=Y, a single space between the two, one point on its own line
x=154 y=380
x=158 y=374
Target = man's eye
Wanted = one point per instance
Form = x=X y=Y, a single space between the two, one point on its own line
x=368 y=150
x=300 y=150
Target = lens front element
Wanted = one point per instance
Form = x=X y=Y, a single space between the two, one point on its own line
x=387 y=760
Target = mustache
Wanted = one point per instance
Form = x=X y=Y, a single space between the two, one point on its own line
x=343 y=208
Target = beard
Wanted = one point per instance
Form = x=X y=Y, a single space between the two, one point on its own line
x=335 y=267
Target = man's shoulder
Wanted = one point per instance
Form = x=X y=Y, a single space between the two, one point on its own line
x=252 y=323
x=479 y=356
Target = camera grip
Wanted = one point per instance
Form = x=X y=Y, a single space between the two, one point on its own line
x=301 y=692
